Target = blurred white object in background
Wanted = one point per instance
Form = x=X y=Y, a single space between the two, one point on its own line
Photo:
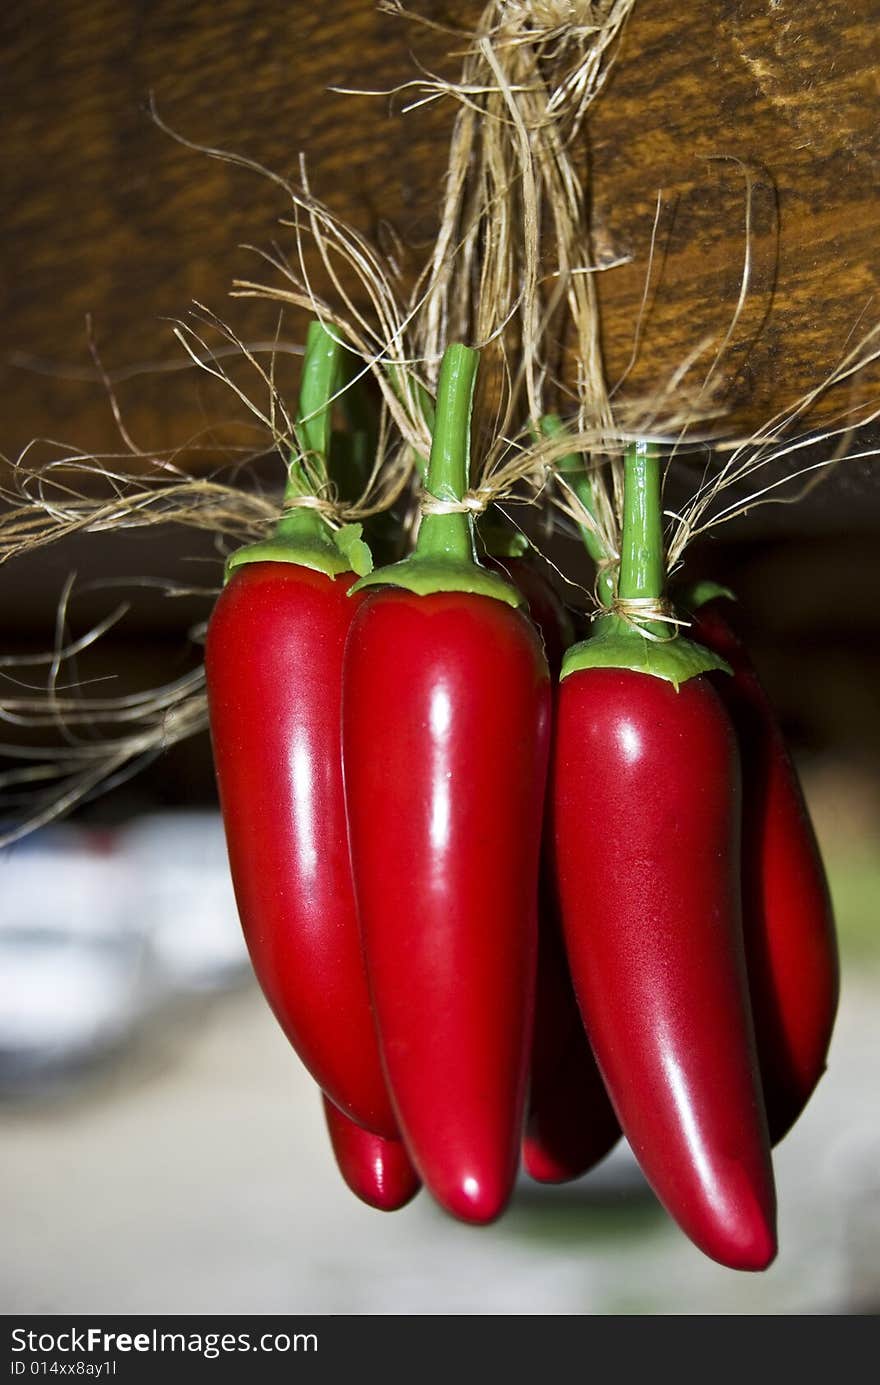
x=182 y=896
x=98 y=930
x=75 y=976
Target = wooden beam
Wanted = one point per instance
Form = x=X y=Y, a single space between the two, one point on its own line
x=105 y=215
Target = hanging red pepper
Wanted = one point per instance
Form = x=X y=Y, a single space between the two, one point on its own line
x=570 y=1123
x=646 y=810
x=445 y=733
x=377 y=1170
x=791 y=948
x=273 y=664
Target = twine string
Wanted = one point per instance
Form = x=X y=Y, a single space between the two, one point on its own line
x=641 y=611
x=474 y=502
x=326 y=508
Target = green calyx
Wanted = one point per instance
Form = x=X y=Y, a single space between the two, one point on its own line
x=444 y=558
x=303 y=534
x=701 y=593
x=306 y=540
x=426 y=576
x=618 y=645
x=628 y=637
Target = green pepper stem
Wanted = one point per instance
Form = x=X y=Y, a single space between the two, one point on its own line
x=322 y=366
x=302 y=535
x=320 y=376
x=617 y=642
x=426 y=409
x=448 y=475
x=444 y=558
x=571 y=466
x=642 y=564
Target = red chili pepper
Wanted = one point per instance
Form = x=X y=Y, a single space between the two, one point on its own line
x=378 y=1171
x=445 y=732
x=570 y=1124
x=273 y=664
x=791 y=948
x=646 y=816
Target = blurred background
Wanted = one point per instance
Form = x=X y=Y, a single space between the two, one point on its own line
x=164 y=1150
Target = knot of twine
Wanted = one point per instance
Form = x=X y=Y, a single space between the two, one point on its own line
x=471 y=503
x=326 y=508
x=639 y=611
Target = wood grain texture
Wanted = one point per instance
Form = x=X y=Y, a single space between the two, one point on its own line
x=782 y=93
x=108 y=216
x=105 y=215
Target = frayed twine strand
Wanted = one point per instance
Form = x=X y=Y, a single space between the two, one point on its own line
x=474 y=502
x=640 y=612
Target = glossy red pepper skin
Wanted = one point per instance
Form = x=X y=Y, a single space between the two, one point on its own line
x=445 y=733
x=571 y=1123
x=646 y=823
x=274 y=675
x=791 y=947
x=378 y=1171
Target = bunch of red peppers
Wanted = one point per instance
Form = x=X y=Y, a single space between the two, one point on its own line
x=509 y=895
